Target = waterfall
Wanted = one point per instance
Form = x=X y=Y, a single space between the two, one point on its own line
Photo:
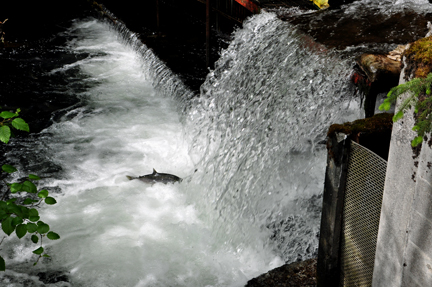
x=257 y=134
x=249 y=149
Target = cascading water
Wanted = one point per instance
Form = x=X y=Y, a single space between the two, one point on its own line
x=257 y=133
x=249 y=149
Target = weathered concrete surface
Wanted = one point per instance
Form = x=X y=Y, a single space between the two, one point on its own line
x=396 y=208
x=404 y=250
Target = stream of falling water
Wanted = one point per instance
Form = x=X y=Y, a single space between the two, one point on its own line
x=249 y=150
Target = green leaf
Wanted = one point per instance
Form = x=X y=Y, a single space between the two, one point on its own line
x=3 y=214
x=29 y=201
x=50 y=200
x=8 y=168
x=21 y=230
x=46 y=255
x=43 y=193
x=25 y=211
x=34 y=218
x=20 y=124
x=7 y=226
x=34 y=238
x=7 y=115
x=42 y=227
x=53 y=236
x=33 y=212
x=29 y=187
x=2 y=264
x=415 y=128
x=5 y=134
x=16 y=221
x=34 y=177
x=385 y=106
x=416 y=141
x=398 y=116
x=38 y=251
x=15 y=187
x=13 y=208
x=31 y=227
x=33 y=215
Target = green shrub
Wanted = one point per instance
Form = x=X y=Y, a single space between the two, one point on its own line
x=419 y=96
x=21 y=216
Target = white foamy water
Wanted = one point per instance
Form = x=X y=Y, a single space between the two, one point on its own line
x=249 y=149
x=125 y=233
x=116 y=232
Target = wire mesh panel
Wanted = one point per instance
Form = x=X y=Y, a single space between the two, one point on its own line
x=361 y=215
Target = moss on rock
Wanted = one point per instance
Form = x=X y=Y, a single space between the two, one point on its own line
x=419 y=59
x=376 y=124
x=373 y=133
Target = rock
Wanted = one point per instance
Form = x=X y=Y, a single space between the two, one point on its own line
x=418 y=59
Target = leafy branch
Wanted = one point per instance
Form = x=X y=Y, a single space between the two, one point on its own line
x=22 y=218
x=419 y=96
x=8 y=121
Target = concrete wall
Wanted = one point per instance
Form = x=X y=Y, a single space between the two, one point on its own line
x=404 y=247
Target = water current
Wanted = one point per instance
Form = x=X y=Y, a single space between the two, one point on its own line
x=249 y=149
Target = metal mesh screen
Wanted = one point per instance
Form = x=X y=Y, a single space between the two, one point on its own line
x=361 y=215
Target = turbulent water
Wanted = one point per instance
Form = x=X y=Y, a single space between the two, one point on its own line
x=249 y=149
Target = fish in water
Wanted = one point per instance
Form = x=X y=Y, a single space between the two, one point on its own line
x=157 y=177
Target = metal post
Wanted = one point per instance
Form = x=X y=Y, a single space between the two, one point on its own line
x=328 y=265
x=208 y=33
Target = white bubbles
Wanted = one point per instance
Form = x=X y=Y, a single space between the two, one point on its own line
x=120 y=232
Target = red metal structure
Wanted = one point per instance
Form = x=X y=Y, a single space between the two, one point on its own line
x=251 y=6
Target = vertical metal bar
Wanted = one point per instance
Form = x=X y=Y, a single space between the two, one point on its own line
x=208 y=33
x=328 y=265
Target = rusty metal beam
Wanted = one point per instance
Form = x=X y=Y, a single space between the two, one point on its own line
x=251 y=6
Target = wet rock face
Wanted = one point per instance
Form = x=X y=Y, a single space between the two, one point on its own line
x=335 y=30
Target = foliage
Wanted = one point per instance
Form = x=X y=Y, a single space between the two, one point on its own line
x=16 y=214
x=419 y=96
x=11 y=120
